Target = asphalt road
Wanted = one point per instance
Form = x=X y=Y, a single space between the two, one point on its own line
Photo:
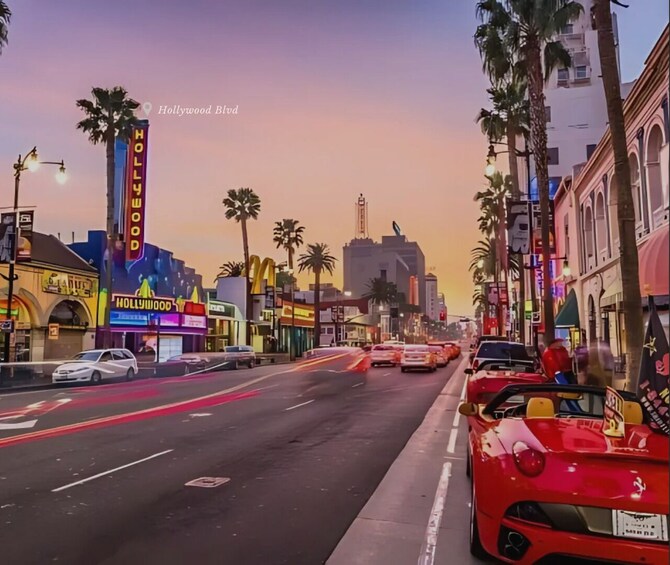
x=299 y=463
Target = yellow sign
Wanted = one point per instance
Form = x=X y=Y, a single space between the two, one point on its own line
x=613 y=425
x=300 y=313
x=67 y=284
x=155 y=304
x=54 y=330
x=259 y=270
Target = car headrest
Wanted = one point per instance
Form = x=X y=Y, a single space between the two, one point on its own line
x=540 y=408
x=632 y=412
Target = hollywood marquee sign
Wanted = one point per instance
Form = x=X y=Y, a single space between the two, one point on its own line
x=131 y=302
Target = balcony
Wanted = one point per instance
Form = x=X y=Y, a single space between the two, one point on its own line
x=660 y=217
x=640 y=230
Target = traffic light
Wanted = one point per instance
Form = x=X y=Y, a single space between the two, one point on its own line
x=443 y=316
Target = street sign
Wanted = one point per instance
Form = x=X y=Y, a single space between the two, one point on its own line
x=7 y=326
x=54 y=330
x=536 y=319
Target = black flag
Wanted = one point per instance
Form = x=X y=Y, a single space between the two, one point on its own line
x=652 y=384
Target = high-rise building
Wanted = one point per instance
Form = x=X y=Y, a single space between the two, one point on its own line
x=432 y=300
x=575 y=104
x=442 y=306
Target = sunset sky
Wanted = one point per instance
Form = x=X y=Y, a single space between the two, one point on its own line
x=335 y=98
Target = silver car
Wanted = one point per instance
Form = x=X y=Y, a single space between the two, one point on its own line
x=240 y=356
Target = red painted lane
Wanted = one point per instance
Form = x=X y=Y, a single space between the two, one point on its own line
x=213 y=400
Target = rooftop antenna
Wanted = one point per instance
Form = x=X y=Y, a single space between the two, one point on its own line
x=58 y=236
x=362 y=218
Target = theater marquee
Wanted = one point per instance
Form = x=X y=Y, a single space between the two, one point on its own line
x=135 y=201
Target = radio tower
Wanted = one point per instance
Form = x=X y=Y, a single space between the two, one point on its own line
x=362 y=218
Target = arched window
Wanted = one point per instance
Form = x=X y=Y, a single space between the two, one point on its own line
x=69 y=313
x=588 y=232
x=592 y=319
x=613 y=215
x=655 y=186
x=601 y=223
x=635 y=184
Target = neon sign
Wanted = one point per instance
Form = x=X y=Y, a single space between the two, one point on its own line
x=136 y=192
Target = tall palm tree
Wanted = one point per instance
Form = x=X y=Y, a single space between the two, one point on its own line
x=5 y=18
x=317 y=259
x=243 y=205
x=288 y=235
x=110 y=114
x=381 y=291
x=630 y=282
x=231 y=269
x=526 y=29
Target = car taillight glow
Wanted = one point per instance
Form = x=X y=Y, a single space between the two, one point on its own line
x=427 y=358
x=528 y=460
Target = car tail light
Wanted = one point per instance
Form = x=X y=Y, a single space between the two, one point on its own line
x=528 y=460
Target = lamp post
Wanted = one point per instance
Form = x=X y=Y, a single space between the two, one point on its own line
x=291 y=343
x=338 y=307
x=30 y=163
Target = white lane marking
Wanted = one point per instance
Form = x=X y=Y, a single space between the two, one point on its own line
x=386 y=374
x=111 y=471
x=200 y=415
x=207 y=482
x=427 y=555
x=451 y=446
x=298 y=405
x=465 y=386
x=18 y=425
x=457 y=419
x=357 y=384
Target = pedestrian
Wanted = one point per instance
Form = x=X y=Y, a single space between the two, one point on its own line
x=556 y=359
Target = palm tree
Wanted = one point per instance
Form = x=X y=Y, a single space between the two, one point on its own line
x=231 y=269
x=288 y=235
x=317 y=259
x=243 y=205
x=526 y=29
x=109 y=115
x=5 y=18
x=630 y=282
x=381 y=291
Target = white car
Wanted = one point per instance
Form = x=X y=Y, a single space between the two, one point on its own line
x=95 y=365
x=418 y=357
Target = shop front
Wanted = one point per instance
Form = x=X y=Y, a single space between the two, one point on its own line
x=224 y=324
x=296 y=324
x=54 y=303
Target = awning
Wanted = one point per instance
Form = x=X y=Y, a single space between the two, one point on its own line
x=654 y=267
x=568 y=316
x=613 y=294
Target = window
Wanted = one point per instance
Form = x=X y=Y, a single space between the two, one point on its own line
x=588 y=232
x=567 y=29
x=601 y=223
x=382 y=274
x=547 y=113
x=590 y=148
x=566 y=231
x=581 y=72
x=106 y=356
x=563 y=76
x=119 y=355
x=552 y=156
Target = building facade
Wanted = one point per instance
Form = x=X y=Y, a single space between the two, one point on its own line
x=432 y=298
x=154 y=298
x=586 y=214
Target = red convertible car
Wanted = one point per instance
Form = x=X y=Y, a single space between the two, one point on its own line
x=484 y=384
x=549 y=486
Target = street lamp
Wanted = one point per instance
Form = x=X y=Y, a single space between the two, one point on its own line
x=338 y=306
x=30 y=162
x=566 y=269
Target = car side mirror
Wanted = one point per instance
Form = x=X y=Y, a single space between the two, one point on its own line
x=468 y=409
x=469 y=371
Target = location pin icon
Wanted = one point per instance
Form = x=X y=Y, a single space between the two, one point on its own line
x=146 y=107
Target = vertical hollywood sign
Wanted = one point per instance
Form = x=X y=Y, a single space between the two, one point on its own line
x=136 y=192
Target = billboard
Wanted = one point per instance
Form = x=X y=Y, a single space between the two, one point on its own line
x=536 y=223
x=24 y=249
x=136 y=193
x=518 y=227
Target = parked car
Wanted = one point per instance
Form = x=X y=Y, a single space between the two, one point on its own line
x=96 y=365
x=237 y=356
x=577 y=493
x=442 y=353
x=456 y=346
x=418 y=357
x=483 y=338
x=385 y=355
x=500 y=351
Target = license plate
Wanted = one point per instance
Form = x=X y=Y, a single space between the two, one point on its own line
x=639 y=526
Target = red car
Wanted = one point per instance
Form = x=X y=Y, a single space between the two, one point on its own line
x=485 y=384
x=549 y=486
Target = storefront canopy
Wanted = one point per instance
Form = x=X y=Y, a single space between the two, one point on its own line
x=613 y=294
x=653 y=260
x=568 y=316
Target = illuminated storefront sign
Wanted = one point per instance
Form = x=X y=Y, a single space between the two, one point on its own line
x=260 y=270
x=67 y=284
x=135 y=201
x=193 y=321
x=143 y=319
x=221 y=309
x=304 y=316
x=129 y=302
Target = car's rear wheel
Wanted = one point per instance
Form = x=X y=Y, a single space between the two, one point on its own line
x=130 y=375
x=96 y=378
x=476 y=547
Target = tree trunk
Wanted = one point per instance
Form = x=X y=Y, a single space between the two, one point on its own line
x=111 y=235
x=538 y=134
x=290 y=259
x=317 y=308
x=516 y=195
x=247 y=277
x=628 y=260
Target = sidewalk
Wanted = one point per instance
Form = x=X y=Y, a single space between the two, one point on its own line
x=420 y=511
